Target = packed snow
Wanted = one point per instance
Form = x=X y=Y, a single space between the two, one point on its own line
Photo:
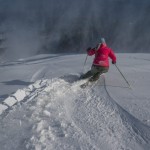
x=43 y=107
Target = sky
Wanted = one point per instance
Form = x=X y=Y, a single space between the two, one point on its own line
x=56 y=26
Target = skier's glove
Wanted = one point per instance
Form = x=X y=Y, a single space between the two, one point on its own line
x=89 y=48
x=113 y=62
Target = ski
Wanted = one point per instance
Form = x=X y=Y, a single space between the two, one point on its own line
x=87 y=83
x=84 y=85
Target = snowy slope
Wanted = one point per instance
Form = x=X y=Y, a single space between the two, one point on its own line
x=47 y=109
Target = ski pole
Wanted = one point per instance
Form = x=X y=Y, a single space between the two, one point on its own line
x=123 y=76
x=85 y=63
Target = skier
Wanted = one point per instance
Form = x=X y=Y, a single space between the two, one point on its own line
x=101 y=62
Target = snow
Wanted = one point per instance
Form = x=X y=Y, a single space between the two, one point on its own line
x=2 y=108
x=10 y=101
x=42 y=106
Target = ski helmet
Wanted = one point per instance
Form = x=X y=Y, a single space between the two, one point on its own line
x=103 y=40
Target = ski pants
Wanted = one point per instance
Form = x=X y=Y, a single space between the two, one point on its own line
x=95 y=72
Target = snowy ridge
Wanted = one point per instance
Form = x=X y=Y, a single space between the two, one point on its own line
x=60 y=115
x=108 y=123
x=23 y=94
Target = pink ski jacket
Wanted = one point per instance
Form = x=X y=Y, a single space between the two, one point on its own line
x=101 y=55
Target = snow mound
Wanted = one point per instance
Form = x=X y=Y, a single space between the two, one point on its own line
x=58 y=114
x=23 y=94
x=2 y=108
x=106 y=123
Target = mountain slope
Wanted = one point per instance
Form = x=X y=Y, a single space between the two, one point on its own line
x=58 y=114
x=49 y=110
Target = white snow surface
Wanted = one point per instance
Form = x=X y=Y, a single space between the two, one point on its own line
x=42 y=106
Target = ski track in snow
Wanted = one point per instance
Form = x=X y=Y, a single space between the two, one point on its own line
x=57 y=114
x=39 y=74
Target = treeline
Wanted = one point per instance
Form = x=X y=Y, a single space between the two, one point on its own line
x=72 y=26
